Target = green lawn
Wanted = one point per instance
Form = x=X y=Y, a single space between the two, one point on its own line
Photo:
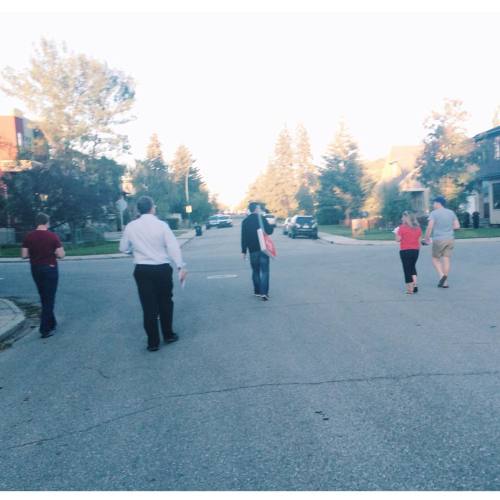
x=382 y=234
x=373 y=234
x=105 y=247
x=101 y=248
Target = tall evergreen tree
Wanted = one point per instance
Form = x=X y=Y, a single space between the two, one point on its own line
x=183 y=169
x=306 y=171
x=181 y=163
x=151 y=178
x=341 y=193
x=281 y=184
x=447 y=163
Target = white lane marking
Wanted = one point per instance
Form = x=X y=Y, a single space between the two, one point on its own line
x=222 y=276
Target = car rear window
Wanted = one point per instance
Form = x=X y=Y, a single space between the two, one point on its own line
x=304 y=220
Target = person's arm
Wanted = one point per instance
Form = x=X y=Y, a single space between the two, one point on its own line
x=125 y=244
x=244 y=243
x=59 y=250
x=267 y=227
x=173 y=248
x=456 y=224
x=25 y=251
x=428 y=231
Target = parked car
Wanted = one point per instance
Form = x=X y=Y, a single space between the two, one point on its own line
x=225 y=221
x=286 y=225
x=213 y=221
x=271 y=219
x=303 y=225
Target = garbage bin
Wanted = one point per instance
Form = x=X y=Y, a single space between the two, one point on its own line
x=198 y=230
x=475 y=220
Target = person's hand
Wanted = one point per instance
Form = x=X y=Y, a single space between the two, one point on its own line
x=182 y=275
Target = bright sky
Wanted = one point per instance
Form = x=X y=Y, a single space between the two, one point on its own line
x=225 y=84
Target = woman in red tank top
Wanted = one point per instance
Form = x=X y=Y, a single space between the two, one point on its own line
x=408 y=234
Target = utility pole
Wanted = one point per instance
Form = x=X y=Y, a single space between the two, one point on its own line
x=186 y=188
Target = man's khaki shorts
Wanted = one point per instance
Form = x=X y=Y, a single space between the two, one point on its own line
x=442 y=248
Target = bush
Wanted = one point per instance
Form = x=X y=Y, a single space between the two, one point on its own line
x=465 y=219
x=394 y=203
x=328 y=216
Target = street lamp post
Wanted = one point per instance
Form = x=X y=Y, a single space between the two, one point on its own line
x=186 y=188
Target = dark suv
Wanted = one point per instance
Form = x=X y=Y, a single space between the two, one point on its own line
x=303 y=225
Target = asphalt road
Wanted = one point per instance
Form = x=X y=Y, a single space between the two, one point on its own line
x=340 y=382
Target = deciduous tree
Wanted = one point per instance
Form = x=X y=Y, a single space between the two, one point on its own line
x=77 y=101
x=447 y=162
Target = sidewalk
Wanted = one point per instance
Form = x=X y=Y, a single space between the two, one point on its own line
x=11 y=319
x=344 y=240
x=183 y=239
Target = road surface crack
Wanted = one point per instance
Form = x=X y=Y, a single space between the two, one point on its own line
x=379 y=378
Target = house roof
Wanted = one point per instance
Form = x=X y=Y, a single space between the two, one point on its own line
x=492 y=132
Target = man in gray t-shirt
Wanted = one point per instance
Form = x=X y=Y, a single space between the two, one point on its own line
x=442 y=225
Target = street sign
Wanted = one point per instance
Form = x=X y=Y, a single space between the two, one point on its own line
x=189 y=209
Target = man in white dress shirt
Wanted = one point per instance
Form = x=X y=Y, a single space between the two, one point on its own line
x=154 y=247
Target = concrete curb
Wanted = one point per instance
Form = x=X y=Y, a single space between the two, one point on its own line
x=15 y=322
x=182 y=241
x=344 y=240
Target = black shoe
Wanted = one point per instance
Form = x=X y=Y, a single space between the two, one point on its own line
x=156 y=348
x=173 y=338
x=415 y=289
x=47 y=334
x=442 y=281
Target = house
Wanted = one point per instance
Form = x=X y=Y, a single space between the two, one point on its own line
x=486 y=200
x=400 y=166
x=19 y=136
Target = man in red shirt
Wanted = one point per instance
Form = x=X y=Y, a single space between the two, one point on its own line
x=43 y=248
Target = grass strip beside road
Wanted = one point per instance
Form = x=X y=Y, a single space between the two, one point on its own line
x=101 y=248
x=387 y=235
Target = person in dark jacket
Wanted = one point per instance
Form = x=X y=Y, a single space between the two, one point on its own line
x=250 y=242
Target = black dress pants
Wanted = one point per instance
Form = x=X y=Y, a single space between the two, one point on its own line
x=46 y=278
x=154 y=283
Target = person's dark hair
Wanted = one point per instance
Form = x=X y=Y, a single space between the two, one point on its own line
x=41 y=219
x=145 y=204
x=440 y=199
x=252 y=206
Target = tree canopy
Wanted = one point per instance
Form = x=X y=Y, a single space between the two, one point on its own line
x=447 y=162
x=340 y=193
x=76 y=101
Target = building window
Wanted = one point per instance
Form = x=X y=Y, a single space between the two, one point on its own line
x=496 y=146
x=496 y=195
